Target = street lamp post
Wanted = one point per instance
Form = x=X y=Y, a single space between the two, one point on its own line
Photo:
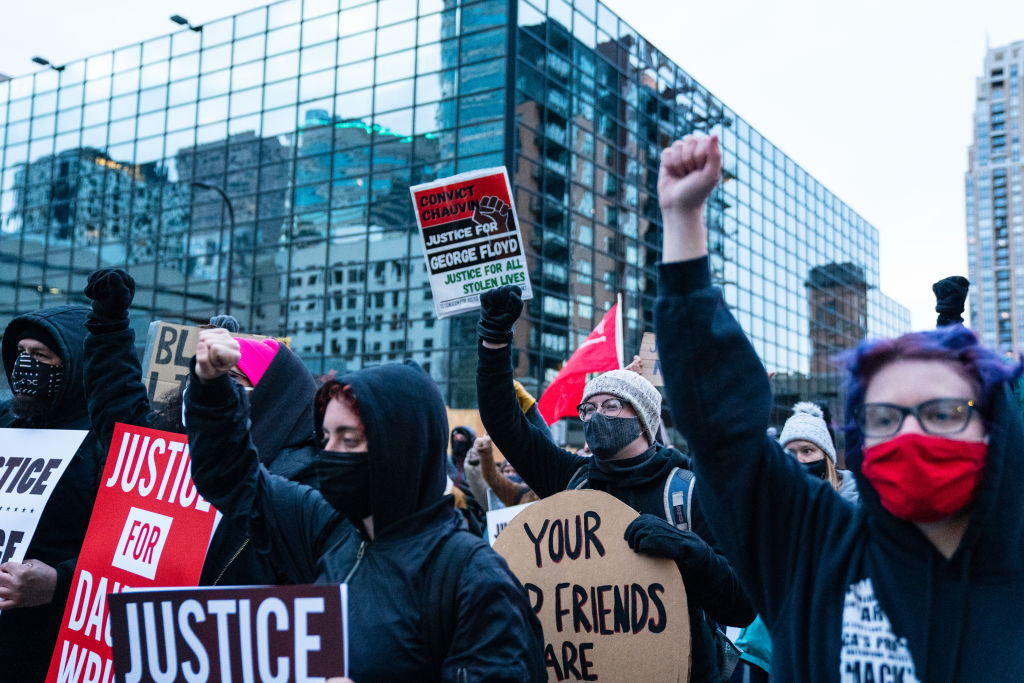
x=231 y=237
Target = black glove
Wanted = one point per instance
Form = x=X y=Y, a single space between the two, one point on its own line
x=227 y=322
x=111 y=291
x=950 y=295
x=652 y=535
x=499 y=310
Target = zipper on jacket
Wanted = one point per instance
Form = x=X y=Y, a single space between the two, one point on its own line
x=461 y=676
x=359 y=558
x=233 y=558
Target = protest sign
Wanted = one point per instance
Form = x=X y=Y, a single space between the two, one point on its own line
x=169 y=351
x=471 y=238
x=652 y=364
x=498 y=517
x=149 y=528
x=32 y=461
x=279 y=633
x=608 y=613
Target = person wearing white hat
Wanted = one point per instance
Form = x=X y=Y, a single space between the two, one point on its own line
x=806 y=436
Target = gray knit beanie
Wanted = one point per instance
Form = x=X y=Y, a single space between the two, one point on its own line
x=635 y=390
x=808 y=424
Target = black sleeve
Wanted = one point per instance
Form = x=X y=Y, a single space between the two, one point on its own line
x=537 y=459
x=114 y=389
x=285 y=518
x=727 y=602
x=764 y=512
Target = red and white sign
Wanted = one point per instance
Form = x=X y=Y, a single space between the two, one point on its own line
x=146 y=504
x=471 y=238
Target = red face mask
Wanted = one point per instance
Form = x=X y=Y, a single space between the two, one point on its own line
x=923 y=478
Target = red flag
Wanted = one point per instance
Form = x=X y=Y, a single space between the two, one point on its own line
x=599 y=352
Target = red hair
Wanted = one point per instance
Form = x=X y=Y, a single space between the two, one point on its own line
x=330 y=390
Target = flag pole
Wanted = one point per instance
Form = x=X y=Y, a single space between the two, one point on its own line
x=618 y=330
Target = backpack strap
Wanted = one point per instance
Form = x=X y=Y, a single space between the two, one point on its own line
x=678 y=498
x=443 y=569
x=578 y=480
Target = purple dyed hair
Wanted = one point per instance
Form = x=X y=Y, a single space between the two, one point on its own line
x=983 y=368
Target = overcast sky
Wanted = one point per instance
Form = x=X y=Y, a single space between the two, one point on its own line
x=873 y=98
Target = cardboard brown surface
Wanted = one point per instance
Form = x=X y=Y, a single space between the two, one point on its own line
x=169 y=351
x=652 y=364
x=469 y=417
x=589 y=590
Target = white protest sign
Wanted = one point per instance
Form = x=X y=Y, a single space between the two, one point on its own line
x=31 y=463
x=471 y=238
x=498 y=519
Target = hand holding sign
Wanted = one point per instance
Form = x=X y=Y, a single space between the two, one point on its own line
x=26 y=584
x=499 y=310
x=491 y=216
x=216 y=353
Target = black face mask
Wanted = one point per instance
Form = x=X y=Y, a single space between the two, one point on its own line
x=459 y=450
x=36 y=379
x=344 y=480
x=816 y=469
x=606 y=436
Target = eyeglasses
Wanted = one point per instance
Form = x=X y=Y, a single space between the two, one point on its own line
x=938 y=416
x=610 y=407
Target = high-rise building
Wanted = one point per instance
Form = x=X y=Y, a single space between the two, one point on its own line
x=314 y=117
x=995 y=212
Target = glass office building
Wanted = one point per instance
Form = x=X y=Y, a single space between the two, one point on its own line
x=313 y=117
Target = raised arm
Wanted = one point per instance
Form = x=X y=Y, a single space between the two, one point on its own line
x=759 y=504
x=544 y=466
x=114 y=389
x=290 y=520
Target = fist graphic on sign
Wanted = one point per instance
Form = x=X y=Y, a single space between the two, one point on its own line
x=491 y=216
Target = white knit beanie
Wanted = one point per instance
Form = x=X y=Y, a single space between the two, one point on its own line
x=808 y=424
x=635 y=390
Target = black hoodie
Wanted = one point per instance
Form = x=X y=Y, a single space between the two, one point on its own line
x=282 y=429
x=496 y=638
x=28 y=634
x=848 y=594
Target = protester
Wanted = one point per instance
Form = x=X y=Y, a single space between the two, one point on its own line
x=507 y=488
x=926 y=581
x=42 y=356
x=472 y=508
x=281 y=400
x=806 y=437
x=621 y=412
x=427 y=601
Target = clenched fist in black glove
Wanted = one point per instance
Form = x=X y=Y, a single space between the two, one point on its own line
x=499 y=310
x=950 y=295
x=111 y=291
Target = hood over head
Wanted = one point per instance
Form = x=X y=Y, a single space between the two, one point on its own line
x=64 y=328
x=406 y=428
x=281 y=406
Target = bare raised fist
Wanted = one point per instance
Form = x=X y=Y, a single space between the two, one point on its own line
x=216 y=353
x=690 y=169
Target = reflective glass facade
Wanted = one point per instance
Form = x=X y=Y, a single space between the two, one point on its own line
x=315 y=117
x=995 y=211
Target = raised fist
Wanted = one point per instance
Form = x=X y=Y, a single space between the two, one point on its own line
x=950 y=296
x=216 y=353
x=111 y=291
x=499 y=310
x=690 y=169
x=491 y=216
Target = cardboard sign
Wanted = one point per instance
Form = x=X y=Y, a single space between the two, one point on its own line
x=32 y=461
x=652 y=364
x=609 y=614
x=149 y=528
x=499 y=517
x=471 y=238
x=279 y=633
x=169 y=352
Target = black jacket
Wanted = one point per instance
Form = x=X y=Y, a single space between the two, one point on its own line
x=849 y=594
x=638 y=482
x=496 y=637
x=28 y=635
x=282 y=418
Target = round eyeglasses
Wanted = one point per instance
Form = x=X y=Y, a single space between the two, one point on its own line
x=939 y=416
x=610 y=407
